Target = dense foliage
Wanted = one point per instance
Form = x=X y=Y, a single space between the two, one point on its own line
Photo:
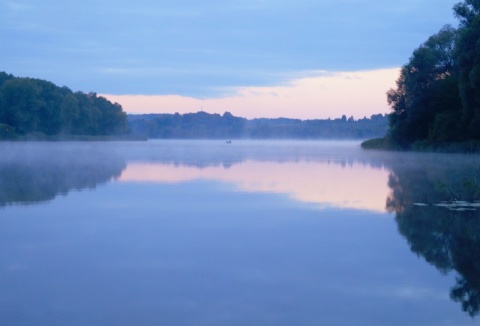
x=437 y=98
x=38 y=107
x=215 y=126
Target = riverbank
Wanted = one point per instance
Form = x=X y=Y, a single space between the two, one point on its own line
x=384 y=144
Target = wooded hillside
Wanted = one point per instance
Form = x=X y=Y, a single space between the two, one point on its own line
x=37 y=107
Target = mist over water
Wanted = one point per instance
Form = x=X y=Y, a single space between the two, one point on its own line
x=34 y=172
x=252 y=232
x=57 y=167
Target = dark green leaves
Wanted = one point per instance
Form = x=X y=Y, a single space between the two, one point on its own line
x=32 y=106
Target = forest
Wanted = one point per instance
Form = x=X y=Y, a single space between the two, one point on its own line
x=37 y=109
x=215 y=126
x=436 y=102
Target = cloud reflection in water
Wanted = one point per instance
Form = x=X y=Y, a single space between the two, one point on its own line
x=354 y=185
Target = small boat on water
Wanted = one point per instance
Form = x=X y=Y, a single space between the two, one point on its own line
x=228 y=141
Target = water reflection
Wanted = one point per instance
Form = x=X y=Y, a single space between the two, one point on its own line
x=325 y=174
x=36 y=172
x=335 y=174
x=425 y=191
x=324 y=184
x=317 y=260
x=203 y=154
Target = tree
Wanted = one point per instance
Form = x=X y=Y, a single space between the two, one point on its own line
x=70 y=112
x=4 y=77
x=33 y=106
x=49 y=112
x=19 y=104
x=468 y=53
x=424 y=89
x=467 y=11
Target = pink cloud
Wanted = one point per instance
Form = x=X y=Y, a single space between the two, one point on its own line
x=358 y=93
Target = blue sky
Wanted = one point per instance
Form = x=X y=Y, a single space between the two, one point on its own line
x=208 y=49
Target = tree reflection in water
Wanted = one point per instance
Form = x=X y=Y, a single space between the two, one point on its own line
x=36 y=172
x=424 y=194
x=422 y=188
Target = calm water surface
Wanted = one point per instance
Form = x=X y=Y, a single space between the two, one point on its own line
x=248 y=233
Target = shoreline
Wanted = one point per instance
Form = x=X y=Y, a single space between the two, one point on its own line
x=384 y=144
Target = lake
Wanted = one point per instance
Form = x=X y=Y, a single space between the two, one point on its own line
x=247 y=233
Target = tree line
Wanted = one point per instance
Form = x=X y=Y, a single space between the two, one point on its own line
x=436 y=102
x=33 y=108
x=40 y=108
x=215 y=126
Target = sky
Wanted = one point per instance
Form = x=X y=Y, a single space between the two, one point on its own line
x=307 y=59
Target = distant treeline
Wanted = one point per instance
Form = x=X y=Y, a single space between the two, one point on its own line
x=37 y=108
x=215 y=126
